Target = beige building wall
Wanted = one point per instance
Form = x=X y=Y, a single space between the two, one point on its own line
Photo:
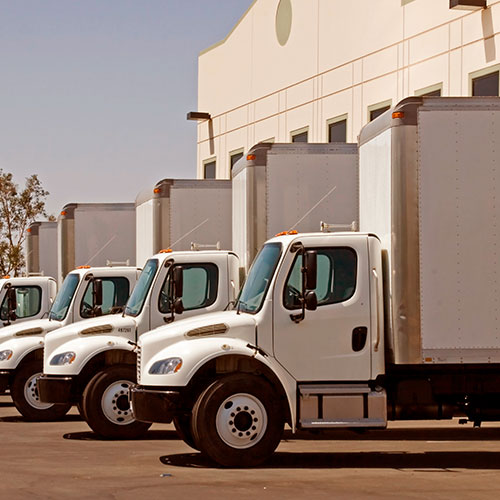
x=341 y=58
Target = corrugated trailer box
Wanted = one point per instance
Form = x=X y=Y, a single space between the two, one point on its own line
x=95 y=234
x=177 y=213
x=430 y=187
x=280 y=187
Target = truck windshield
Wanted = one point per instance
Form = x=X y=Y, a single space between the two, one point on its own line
x=259 y=277
x=63 y=299
x=136 y=300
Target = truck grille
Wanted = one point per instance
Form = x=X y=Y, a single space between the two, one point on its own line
x=138 y=364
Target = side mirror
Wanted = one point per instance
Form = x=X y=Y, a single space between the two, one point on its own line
x=311 y=301
x=178 y=282
x=311 y=267
x=178 y=306
x=97 y=293
x=12 y=303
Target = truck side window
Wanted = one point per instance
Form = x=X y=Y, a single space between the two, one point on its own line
x=336 y=278
x=29 y=302
x=115 y=292
x=200 y=287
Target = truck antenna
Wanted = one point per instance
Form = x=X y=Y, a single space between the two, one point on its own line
x=189 y=232
x=310 y=210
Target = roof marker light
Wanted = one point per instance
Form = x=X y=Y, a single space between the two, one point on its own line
x=166 y=250
x=251 y=157
x=398 y=114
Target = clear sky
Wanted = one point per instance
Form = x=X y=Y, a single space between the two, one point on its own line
x=94 y=93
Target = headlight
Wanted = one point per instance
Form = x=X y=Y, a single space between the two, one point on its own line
x=5 y=355
x=166 y=366
x=65 y=358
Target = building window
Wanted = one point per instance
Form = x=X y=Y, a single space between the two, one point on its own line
x=431 y=91
x=300 y=135
x=209 y=169
x=375 y=113
x=337 y=129
x=234 y=156
x=486 y=85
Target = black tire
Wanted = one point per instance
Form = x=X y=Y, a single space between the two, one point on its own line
x=106 y=406
x=25 y=395
x=182 y=425
x=238 y=421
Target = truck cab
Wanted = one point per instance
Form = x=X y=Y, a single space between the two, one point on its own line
x=93 y=363
x=85 y=293
x=304 y=344
x=30 y=299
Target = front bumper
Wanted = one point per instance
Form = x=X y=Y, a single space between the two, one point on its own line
x=4 y=381
x=154 y=406
x=55 y=389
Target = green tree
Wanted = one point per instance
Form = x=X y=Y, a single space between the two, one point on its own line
x=18 y=209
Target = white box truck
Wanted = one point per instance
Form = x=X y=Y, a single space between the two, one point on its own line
x=178 y=212
x=95 y=234
x=280 y=187
x=398 y=321
x=93 y=363
x=23 y=299
x=86 y=292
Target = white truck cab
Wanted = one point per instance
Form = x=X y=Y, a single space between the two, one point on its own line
x=307 y=325
x=85 y=293
x=94 y=363
x=32 y=299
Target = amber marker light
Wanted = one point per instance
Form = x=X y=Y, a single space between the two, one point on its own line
x=166 y=250
x=63 y=212
x=398 y=114
x=156 y=190
x=251 y=157
x=83 y=267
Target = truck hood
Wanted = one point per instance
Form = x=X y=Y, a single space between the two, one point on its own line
x=35 y=327
x=223 y=324
x=104 y=326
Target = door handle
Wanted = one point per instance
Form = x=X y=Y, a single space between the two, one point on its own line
x=359 y=335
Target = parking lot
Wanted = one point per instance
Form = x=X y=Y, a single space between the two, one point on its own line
x=408 y=460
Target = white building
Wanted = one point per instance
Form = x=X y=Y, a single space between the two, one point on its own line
x=318 y=70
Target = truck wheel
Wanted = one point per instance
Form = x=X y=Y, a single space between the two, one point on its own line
x=106 y=405
x=25 y=395
x=182 y=425
x=238 y=421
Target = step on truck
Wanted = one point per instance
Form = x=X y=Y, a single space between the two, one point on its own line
x=85 y=293
x=93 y=364
x=24 y=299
x=351 y=330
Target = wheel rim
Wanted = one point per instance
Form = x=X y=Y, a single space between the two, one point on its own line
x=115 y=403
x=241 y=421
x=31 y=394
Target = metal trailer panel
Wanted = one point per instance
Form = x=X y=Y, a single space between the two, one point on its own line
x=41 y=249
x=441 y=278
x=145 y=231
x=292 y=186
x=105 y=234
x=200 y=212
x=95 y=233
x=459 y=221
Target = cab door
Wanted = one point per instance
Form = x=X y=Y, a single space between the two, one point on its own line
x=331 y=343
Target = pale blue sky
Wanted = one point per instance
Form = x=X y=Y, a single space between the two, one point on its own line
x=94 y=93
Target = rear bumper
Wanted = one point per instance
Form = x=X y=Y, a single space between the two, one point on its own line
x=154 y=406
x=4 y=381
x=55 y=389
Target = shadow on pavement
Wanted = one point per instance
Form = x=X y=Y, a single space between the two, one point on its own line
x=149 y=436
x=6 y=404
x=407 y=434
x=20 y=418
x=431 y=461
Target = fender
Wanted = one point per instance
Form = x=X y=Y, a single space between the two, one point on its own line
x=85 y=349
x=20 y=347
x=195 y=353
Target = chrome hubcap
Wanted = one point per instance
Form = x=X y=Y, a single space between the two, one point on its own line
x=31 y=394
x=115 y=403
x=241 y=421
